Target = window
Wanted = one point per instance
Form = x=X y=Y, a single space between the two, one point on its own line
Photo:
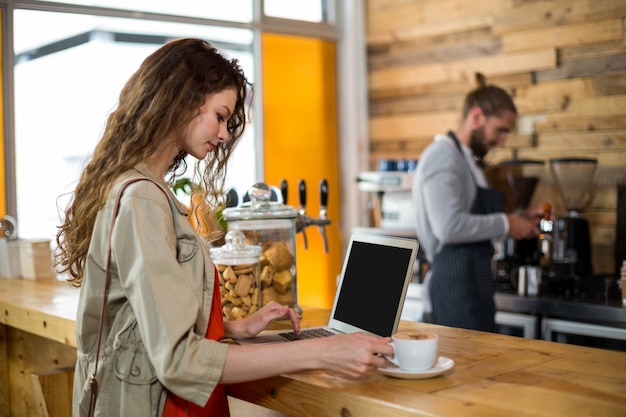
x=67 y=81
x=66 y=78
x=307 y=10
x=229 y=10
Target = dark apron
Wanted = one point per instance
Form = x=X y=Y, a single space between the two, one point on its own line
x=461 y=283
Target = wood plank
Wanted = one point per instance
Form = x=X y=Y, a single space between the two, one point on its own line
x=462 y=70
x=29 y=354
x=551 y=96
x=498 y=395
x=555 y=378
x=377 y=6
x=524 y=14
x=439 y=52
x=60 y=330
x=443 y=10
x=5 y=398
x=33 y=318
x=554 y=142
x=598 y=106
x=416 y=104
x=309 y=404
x=393 y=15
x=447 y=27
x=576 y=53
x=390 y=42
x=567 y=123
x=507 y=81
x=564 y=35
x=239 y=408
x=584 y=68
x=608 y=158
x=517 y=141
x=600 y=141
x=407 y=126
x=52 y=391
x=609 y=84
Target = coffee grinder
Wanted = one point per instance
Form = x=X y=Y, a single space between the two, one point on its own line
x=516 y=261
x=571 y=252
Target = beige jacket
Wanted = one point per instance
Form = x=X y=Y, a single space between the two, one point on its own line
x=157 y=310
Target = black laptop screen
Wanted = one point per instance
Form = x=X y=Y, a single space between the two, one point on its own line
x=372 y=286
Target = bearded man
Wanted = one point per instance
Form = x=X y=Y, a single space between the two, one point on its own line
x=459 y=218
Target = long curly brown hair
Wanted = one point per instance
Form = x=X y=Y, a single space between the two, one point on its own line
x=157 y=102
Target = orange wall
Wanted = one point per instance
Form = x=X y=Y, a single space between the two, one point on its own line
x=301 y=142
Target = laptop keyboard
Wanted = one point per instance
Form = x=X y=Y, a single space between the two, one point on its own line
x=307 y=334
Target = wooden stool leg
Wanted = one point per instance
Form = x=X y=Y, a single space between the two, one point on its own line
x=52 y=391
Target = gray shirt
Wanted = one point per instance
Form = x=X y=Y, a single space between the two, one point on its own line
x=444 y=189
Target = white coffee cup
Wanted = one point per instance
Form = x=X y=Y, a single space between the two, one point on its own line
x=414 y=350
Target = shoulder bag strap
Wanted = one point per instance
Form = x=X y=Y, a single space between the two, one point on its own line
x=93 y=383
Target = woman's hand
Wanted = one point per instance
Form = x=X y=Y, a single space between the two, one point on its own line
x=354 y=355
x=257 y=322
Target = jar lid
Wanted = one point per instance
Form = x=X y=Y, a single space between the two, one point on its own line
x=260 y=207
x=235 y=251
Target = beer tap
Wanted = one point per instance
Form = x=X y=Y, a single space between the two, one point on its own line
x=323 y=211
x=303 y=220
x=302 y=211
x=283 y=190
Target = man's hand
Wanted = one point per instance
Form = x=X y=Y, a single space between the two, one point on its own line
x=521 y=227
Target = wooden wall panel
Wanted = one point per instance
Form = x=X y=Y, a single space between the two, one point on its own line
x=463 y=70
x=565 y=35
x=563 y=61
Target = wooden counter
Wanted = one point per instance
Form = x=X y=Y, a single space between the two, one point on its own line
x=494 y=375
x=37 y=338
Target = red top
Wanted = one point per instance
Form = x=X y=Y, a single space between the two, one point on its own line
x=218 y=402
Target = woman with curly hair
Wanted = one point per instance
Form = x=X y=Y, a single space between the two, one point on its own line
x=149 y=324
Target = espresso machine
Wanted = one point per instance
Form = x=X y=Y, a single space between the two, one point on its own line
x=390 y=200
x=571 y=251
x=517 y=262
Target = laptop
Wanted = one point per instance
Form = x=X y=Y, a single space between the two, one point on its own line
x=372 y=288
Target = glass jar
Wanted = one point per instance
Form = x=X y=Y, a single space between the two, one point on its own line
x=272 y=226
x=239 y=270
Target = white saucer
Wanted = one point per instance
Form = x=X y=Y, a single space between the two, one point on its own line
x=443 y=364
